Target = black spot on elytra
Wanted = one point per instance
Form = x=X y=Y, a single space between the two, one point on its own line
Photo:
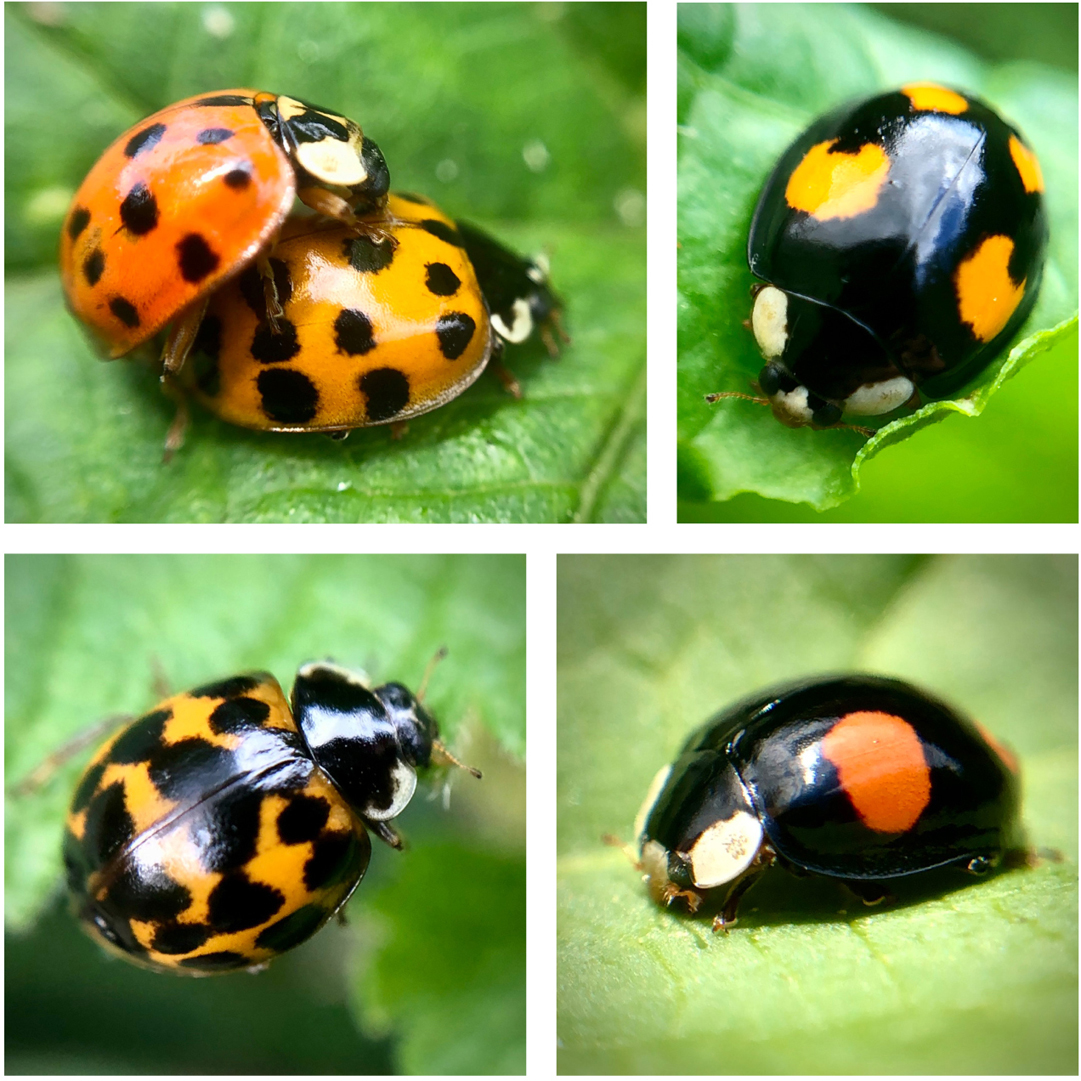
x=353 y=332
x=221 y=99
x=231 y=687
x=144 y=140
x=146 y=893
x=221 y=961
x=410 y=197
x=303 y=819
x=441 y=280
x=213 y=136
x=227 y=828
x=94 y=267
x=125 y=311
x=367 y=257
x=442 y=230
x=272 y=347
x=196 y=258
x=240 y=177
x=334 y=860
x=455 y=331
x=179 y=937
x=79 y=220
x=141 y=740
x=294 y=929
x=108 y=825
x=288 y=396
x=253 y=286
x=139 y=210
x=386 y=391
x=190 y=768
x=87 y=787
x=238 y=714
x=236 y=903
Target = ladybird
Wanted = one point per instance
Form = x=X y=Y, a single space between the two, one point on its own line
x=857 y=778
x=227 y=825
x=901 y=244
x=188 y=197
x=373 y=331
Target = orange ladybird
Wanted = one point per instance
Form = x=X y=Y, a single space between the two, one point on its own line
x=188 y=197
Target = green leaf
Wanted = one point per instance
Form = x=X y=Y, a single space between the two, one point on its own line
x=84 y=635
x=970 y=978
x=750 y=79
x=84 y=439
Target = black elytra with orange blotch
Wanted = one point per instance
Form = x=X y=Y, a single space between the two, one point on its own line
x=227 y=825
x=903 y=237
x=858 y=778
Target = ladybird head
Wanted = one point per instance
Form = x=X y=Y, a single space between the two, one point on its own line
x=331 y=151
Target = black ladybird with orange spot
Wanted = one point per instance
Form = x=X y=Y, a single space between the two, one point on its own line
x=857 y=778
x=901 y=240
x=227 y=825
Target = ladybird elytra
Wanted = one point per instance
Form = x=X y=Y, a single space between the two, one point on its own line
x=187 y=197
x=861 y=779
x=227 y=824
x=372 y=331
x=901 y=241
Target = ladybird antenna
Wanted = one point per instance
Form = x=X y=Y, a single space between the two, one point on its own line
x=711 y=398
x=447 y=758
x=439 y=654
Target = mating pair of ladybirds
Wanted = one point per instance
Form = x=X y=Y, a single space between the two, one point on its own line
x=899 y=244
x=376 y=309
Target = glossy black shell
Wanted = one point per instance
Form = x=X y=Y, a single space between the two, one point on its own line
x=768 y=745
x=873 y=295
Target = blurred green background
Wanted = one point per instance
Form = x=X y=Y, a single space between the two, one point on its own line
x=527 y=119
x=1018 y=460
x=961 y=976
x=429 y=974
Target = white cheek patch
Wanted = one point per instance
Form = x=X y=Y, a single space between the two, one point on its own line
x=769 y=321
x=725 y=850
x=403 y=783
x=333 y=162
x=791 y=407
x=874 y=398
x=521 y=325
x=655 y=787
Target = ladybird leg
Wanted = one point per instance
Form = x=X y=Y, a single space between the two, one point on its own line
x=44 y=771
x=274 y=310
x=501 y=371
x=334 y=206
x=870 y=893
x=398 y=429
x=179 y=343
x=555 y=322
x=174 y=438
x=728 y=914
x=338 y=436
x=386 y=833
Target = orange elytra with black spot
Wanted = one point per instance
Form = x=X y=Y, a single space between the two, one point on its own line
x=857 y=778
x=900 y=244
x=189 y=196
x=371 y=331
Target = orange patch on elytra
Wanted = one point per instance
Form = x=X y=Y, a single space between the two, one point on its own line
x=880 y=764
x=986 y=294
x=1028 y=165
x=841 y=185
x=932 y=98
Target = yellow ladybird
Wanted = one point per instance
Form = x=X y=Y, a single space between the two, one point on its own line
x=373 y=329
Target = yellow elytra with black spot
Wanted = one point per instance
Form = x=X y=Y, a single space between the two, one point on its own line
x=902 y=241
x=372 y=331
x=227 y=825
